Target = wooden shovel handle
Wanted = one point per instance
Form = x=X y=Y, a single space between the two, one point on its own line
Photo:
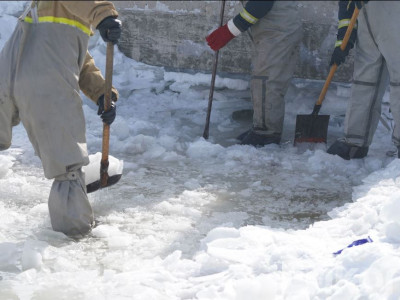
x=107 y=105
x=342 y=47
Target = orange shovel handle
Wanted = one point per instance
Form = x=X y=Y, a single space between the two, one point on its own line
x=342 y=47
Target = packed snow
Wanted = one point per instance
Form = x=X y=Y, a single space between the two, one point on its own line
x=205 y=219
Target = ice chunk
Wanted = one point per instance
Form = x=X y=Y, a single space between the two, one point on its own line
x=6 y=162
x=32 y=254
x=92 y=170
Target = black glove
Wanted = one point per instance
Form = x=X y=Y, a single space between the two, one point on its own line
x=339 y=55
x=107 y=116
x=360 y=4
x=110 y=29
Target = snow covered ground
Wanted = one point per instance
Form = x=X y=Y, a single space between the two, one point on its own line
x=197 y=219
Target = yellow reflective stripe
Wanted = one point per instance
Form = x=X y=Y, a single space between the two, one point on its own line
x=248 y=17
x=65 y=21
x=338 y=43
x=344 y=23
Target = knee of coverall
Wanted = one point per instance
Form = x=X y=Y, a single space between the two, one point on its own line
x=9 y=118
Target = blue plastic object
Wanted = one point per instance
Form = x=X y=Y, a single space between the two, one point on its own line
x=355 y=243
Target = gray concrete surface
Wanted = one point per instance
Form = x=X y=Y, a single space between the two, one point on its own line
x=172 y=34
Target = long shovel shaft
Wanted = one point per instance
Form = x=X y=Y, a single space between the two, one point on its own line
x=107 y=104
x=210 y=97
x=334 y=66
x=214 y=73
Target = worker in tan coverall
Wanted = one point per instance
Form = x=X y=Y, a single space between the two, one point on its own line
x=276 y=31
x=376 y=66
x=43 y=66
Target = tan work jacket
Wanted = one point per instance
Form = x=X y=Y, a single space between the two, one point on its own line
x=86 y=16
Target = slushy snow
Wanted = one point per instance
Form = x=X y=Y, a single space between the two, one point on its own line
x=205 y=219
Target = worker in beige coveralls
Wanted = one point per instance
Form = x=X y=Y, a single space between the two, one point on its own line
x=43 y=67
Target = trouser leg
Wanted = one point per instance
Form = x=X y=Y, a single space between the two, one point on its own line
x=69 y=207
x=364 y=108
x=370 y=81
x=273 y=65
x=268 y=104
x=268 y=92
x=49 y=104
x=395 y=109
x=5 y=125
x=382 y=20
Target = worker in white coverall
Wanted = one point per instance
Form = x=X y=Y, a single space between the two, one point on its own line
x=376 y=64
x=276 y=31
x=43 y=66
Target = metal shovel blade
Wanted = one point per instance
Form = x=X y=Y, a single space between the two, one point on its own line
x=311 y=129
x=96 y=185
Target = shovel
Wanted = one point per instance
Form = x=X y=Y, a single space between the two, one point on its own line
x=105 y=179
x=313 y=128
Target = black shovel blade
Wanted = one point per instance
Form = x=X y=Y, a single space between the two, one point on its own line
x=311 y=129
x=96 y=185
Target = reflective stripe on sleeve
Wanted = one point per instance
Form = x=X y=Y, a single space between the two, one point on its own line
x=51 y=19
x=248 y=17
x=344 y=23
x=338 y=43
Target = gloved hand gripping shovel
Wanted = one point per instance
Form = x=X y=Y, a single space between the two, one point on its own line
x=105 y=179
x=313 y=128
x=214 y=72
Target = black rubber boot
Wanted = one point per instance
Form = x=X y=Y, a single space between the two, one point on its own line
x=347 y=151
x=241 y=136
x=256 y=139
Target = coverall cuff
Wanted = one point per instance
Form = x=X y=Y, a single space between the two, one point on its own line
x=232 y=28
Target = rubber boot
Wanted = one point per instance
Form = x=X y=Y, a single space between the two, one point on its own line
x=347 y=151
x=256 y=138
x=241 y=136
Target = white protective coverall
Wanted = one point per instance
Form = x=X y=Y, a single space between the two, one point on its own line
x=377 y=62
x=276 y=38
x=40 y=68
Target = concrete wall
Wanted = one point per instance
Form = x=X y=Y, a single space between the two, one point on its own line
x=171 y=34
